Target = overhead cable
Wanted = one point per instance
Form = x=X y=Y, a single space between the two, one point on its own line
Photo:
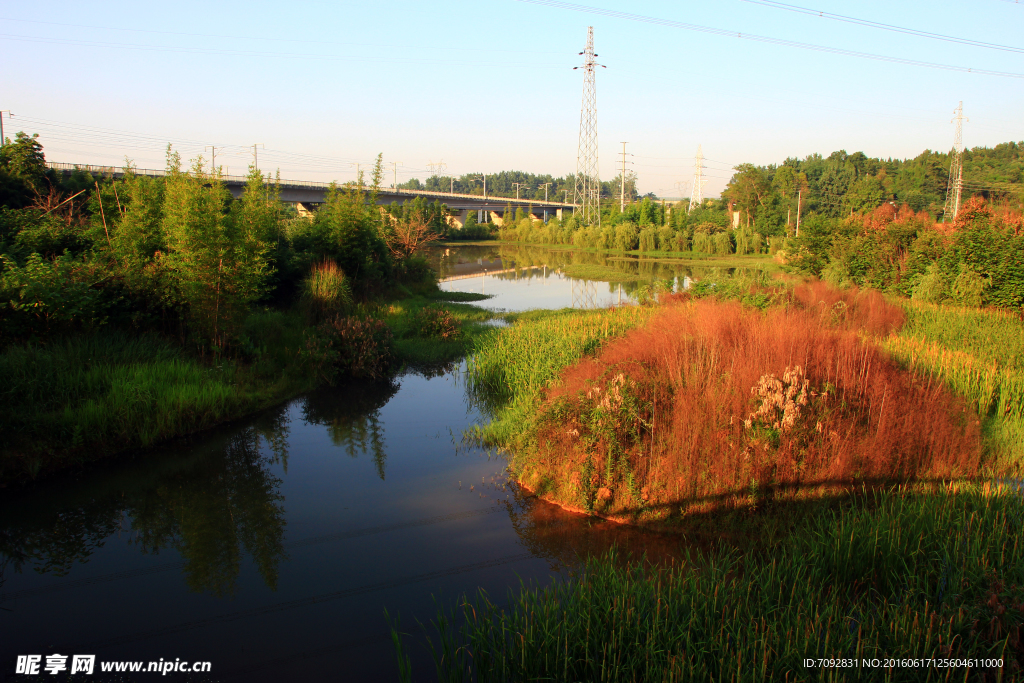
x=615 y=14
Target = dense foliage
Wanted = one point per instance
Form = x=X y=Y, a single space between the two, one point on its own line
x=180 y=255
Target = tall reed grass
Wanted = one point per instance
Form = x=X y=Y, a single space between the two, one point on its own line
x=901 y=574
x=326 y=292
x=979 y=354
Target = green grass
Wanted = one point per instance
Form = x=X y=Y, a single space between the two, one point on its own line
x=418 y=351
x=510 y=367
x=979 y=354
x=459 y=297
x=95 y=395
x=904 y=574
x=102 y=393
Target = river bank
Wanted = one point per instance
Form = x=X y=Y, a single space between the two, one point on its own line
x=108 y=393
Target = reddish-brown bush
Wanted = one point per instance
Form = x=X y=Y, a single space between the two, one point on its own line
x=715 y=403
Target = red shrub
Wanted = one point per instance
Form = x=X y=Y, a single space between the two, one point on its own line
x=672 y=413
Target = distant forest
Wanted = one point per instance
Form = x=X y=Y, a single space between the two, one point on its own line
x=532 y=186
x=767 y=197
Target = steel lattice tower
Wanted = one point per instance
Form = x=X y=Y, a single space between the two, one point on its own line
x=697 y=191
x=955 y=184
x=587 y=193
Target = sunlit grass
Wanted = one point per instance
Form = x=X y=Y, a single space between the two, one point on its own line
x=979 y=354
x=904 y=573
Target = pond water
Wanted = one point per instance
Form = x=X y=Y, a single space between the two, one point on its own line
x=272 y=546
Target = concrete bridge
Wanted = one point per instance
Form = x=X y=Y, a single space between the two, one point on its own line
x=307 y=195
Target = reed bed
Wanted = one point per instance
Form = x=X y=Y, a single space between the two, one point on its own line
x=898 y=575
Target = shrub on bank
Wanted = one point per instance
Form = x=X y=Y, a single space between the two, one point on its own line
x=325 y=292
x=350 y=346
x=712 y=403
x=431 y=322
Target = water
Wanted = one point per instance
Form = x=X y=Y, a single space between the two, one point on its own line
x=272 y=546
x=522 y=277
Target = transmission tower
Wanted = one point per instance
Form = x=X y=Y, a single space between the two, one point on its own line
x=587 y=194
x=955 y=184
x=697 y=191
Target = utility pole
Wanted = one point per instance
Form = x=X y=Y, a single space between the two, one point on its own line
x=566 y=196
x=255 y=158
x=586 y=195
x=517 y=186
x=213 y=157
x=9 y=115
x=394 y=165
x=697 y=191
x=799 y=202
x=955 y=184
x=622 y=181
x=546 y=186
x=451 y=190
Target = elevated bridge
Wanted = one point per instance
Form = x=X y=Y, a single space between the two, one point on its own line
x=306 y=195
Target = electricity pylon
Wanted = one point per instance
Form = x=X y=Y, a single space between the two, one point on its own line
x=697 y=191
x=955 y=184
x=586 y=196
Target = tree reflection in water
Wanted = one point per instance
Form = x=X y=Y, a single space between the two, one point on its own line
x=210 y=504
x=351 y=413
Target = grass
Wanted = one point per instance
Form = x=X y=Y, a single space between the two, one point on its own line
x=507 y=373
x=93 y=395
x=424 y=351
x=710 y=404
x=979 y=354
x=899 y=574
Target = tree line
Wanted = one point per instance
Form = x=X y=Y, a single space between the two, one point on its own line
x=179 y=253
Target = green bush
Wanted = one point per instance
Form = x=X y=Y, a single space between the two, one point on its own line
x=437 y=323
x=350 y=346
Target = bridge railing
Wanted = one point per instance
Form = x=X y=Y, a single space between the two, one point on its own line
x=304 y=184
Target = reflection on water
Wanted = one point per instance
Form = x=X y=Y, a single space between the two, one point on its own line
x=566 y=538
x=209 y=508
x=531 y=276
x=280 y=528
x=351 y=414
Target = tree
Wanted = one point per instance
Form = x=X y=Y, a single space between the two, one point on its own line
x=24 y=159
x=748 y=188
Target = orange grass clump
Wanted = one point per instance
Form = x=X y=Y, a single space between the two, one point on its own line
x=714 y=404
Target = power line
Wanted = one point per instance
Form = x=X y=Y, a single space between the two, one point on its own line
x=885 y=27
x=615 y=14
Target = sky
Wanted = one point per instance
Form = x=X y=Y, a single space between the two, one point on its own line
x=489 y=85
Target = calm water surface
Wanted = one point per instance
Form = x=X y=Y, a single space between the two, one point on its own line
x=271 y=547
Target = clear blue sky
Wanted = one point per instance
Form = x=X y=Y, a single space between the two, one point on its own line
x=489 y=85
